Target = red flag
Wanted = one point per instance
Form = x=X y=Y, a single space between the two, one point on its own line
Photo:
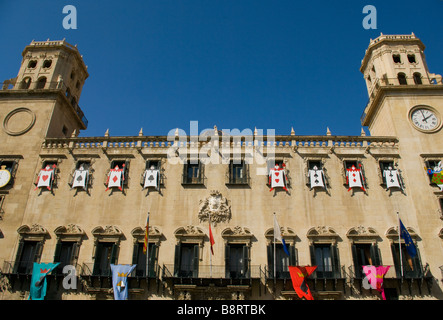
x=298 y=276
x=211 y=239
x=145 y=243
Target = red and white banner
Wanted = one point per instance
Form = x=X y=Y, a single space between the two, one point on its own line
x=115 y=178
x=45 y=177
x=80 y=178
x=354 y=178
x=152 y=178
x=277 y=178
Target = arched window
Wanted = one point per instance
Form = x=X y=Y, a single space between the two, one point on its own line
x=32 y=64
x=47 y=63
x=396 y=58
x=411 y=58
x=417 y=78
x=25 y=84
x=41 y=82
x=401 y=78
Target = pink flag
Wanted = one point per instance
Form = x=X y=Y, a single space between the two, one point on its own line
x=375 y=277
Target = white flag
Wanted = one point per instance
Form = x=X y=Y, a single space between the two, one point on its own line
x=391 y=177
x=151 y=178
x=316 y=178
x=80 y=178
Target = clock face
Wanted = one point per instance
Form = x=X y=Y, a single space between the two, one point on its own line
x=424 y=119
x=5 y=176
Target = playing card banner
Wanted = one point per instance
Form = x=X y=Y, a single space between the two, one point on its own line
x=277 y=178
x=391 y=178
x=152 y=178
x=45 y=177
x=316 y=178
x=115 y=178
x=80 y=179
x=354 y=178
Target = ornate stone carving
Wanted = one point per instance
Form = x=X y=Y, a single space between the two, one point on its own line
x=216 y=207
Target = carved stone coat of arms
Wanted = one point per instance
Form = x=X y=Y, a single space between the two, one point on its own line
x=214 y=207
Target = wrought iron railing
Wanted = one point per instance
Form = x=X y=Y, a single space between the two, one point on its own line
x=208 y=271
x=394 y=272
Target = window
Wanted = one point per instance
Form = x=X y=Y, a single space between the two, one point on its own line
x=411 y=58
x=364 y=254
x=325 y=257
x=186 y=260
x=282 y=260
x=41 y=82
x=402 y=78
x=396 y=58
x=237 y=261
x=26 y=83
x=65 y=131
x=32 y=64
x=193 y=173
x=139 y=258
x=238 y=172
x=412 y=267
x=417 y=78
x=105 y=255
x=28 y=252
x=47 y=63
x=66 y=252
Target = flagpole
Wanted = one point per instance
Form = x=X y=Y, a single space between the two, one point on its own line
x=147 y=248
x=210 y=245
x=275 y=261
x=399 y=244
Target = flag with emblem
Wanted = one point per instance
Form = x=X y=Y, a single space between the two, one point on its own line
x=115 y=178
x=120 y=275
x=46 y=177
x=375 y=276
x=316 y=177
x=354 y=178
x=277 y=178
x=152 y=178
x=38 y=280
x=410 y=247
x=298 y=277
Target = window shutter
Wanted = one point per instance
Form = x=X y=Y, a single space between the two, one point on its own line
x=246 y=261
x=312 y=253
x=292 y=255
x=185 y=173
x=270 y=250
x=135 y=253
x=335 y=261
x=98 y=254
x=37 y=252
x=75 y=251
x=58 y=248
x=227 y=260
x=18 y=256
x=177 y=259
x=416 y=262
x=394 y=249
x=153 y=255
x=375 y=255
x=113 y=253
x=195 y=261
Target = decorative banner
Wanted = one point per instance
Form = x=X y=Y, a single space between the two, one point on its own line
x=277 y=178
x=391 y=177
x=46 y=177
x=375 y=276
x=354 y=178
x=80 y=178
x=120 y=275
x=152 y=178
x=437 y=175
x=316 y=177
x=38 y=280
x=115 y=178
x=298 y=277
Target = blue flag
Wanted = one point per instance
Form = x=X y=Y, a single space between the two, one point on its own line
x=120 y=275
x=38 y=280
x=410 y=247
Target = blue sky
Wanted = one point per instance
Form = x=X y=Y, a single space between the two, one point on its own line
x=158 y=65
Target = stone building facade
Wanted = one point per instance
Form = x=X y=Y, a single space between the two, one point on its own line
x=222 y=179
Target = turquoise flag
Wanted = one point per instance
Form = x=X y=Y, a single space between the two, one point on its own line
x=38 y=280
x=120 y=275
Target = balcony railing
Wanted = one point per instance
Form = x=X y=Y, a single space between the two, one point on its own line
x=393 y=272
x=26 y=267
x=214 y=271
x=43 y=86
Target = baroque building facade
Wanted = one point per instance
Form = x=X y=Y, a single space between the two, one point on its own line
x=82 y=201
